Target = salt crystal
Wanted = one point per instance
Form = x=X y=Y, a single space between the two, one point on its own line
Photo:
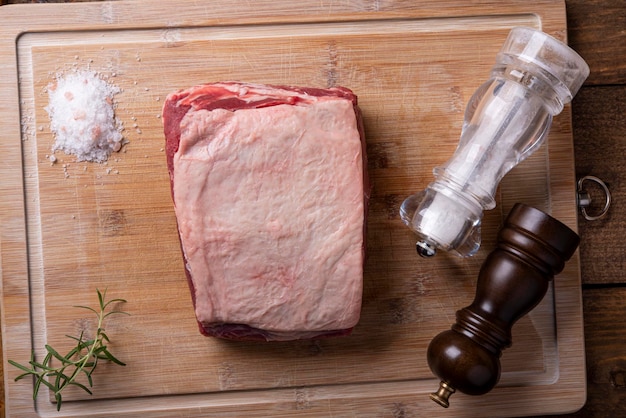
x=82 y=116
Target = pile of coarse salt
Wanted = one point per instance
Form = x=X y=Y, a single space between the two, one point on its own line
x=82 y=116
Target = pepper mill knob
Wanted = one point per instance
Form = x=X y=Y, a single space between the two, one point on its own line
x=532 y=247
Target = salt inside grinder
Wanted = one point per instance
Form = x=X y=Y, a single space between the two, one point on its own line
x=506 y=119
x=532 y=248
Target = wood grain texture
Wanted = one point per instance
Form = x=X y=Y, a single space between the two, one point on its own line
x=110 y=218
x=596 y=31
x=600 y=123
x=2 y=414
x=591 y=24
x=606 y=352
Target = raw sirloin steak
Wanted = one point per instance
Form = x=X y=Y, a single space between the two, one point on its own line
x=270 y=192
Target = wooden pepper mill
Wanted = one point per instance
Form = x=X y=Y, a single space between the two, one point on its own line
x=532 y=247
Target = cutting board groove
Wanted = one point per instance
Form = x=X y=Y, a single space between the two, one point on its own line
x=71 y=227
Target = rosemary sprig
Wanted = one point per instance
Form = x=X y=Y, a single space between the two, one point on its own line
x=80 y=360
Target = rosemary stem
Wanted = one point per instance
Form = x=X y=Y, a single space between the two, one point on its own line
x=74 y=363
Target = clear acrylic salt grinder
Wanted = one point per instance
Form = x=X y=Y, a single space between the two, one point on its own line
x=506 y=120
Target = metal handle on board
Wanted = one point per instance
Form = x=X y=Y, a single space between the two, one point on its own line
x=584 y=200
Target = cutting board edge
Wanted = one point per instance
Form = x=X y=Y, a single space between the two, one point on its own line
x=9 y=247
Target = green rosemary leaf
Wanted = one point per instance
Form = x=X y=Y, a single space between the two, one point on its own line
x=48 y=384
x=58 y=399
x=82 y=359
x=83 y=387
x=101 y=298
x=77 y=339
x=112 y=358
x=36 y=387
x=114 y=301
x=116 y=313
x=88 y=374
x=74 y=351
x=78 y=347
x=37 y=365
x=52 y=351
x=84 y=345
x=42 y=366
x=100 y=349
x=21 y=367
x=71 y=378
x=88 y=308
x=23 y=375
x=60 y=381
x=41 y=379
x=100 y=353
x=102 y=356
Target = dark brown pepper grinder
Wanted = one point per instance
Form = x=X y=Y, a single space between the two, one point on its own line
x=532 y=247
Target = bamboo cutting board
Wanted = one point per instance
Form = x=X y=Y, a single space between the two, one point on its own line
x=69 y=228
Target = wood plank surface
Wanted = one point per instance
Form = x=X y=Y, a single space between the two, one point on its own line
x=112 y=216
x=600 y=146
x=596 y=31
x=605 y=326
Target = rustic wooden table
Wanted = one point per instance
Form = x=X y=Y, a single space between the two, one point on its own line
x=597 y=30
